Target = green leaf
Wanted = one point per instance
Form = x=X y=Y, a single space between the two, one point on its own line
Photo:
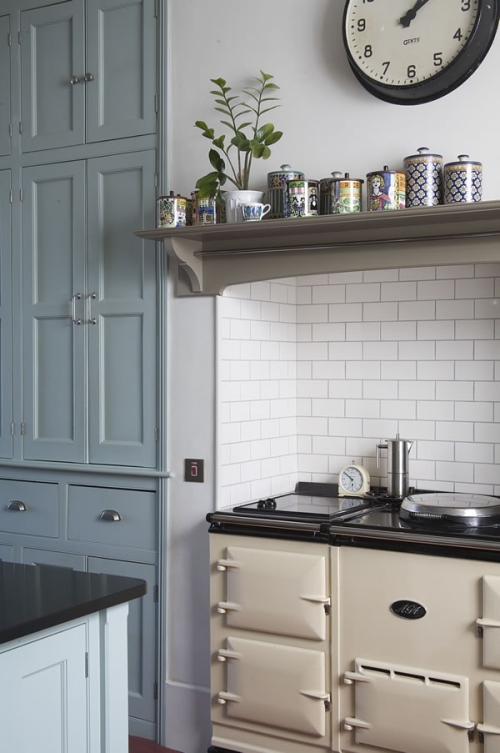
x=266 y=153
x=258 y=150
x=270 y=86
x=264 y=131
x=216 y=160
x=221 y=82
x=268 y=109
x=273 y=138
x=201 y=124
x=219 y=142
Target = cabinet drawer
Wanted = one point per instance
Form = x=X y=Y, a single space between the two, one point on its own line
x=40 y=515
x=115 y=517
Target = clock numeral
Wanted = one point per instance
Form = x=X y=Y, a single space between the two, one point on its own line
x=465 y=6
x=361 y=24
x=458 y=34
x=386 y=66
x=438 y=59
x=368 y=51
x=411 y=71
x=367 y=1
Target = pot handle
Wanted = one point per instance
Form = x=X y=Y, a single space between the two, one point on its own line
x=382 y=446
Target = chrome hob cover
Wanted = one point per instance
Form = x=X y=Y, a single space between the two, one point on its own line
x=454 y=508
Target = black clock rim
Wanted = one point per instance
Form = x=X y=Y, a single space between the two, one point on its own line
x=446 y=81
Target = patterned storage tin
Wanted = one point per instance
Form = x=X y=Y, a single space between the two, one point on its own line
x=346 y=194
x=303 y=198
x=171 y=210
x=386 y=189
x=325 y=192
x=277 y=190
x=424 y=179
x=463 y=180
x=205 y=211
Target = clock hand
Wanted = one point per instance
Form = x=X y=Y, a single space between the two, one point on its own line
x=408 y=17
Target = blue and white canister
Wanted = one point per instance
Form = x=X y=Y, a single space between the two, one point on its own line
x=424 y=179
x=463 y=180
x=277 y=190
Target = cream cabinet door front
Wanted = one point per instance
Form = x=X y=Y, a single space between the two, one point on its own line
x=275 y=685
x=275 y=592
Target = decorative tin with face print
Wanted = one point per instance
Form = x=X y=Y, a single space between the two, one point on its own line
x=386 y=190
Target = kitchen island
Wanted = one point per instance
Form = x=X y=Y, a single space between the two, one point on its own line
x=63 y=659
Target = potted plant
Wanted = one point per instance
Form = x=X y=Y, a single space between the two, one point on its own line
x=248 y=140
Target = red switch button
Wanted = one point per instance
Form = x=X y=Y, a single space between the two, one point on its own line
x=193 y=470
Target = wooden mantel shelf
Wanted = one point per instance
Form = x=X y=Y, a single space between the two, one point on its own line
x=216 y=256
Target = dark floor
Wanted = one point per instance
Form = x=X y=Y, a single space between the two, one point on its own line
x=140 y=745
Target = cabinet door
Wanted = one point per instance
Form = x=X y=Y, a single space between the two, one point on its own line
x=121 y=56
x=52 y=55
x=4 y=86
x=5 y=315
x=54 y=341
x=47 y=679
x=122 y=311
x=141 y=636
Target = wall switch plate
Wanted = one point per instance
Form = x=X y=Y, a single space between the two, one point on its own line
x=193 y=470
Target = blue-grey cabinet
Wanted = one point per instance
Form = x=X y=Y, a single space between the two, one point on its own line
x=5 y=315
x=89 y=312
x=78 y=58
x=5 y=72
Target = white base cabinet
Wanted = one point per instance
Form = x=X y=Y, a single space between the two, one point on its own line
x=63 y=688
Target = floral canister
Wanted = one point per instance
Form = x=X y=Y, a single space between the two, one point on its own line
x=424 y=179
x=346 y=194
x=386 y=189
x=277 y=190
x=325 y=192
x=463 y=180
x=171 y=210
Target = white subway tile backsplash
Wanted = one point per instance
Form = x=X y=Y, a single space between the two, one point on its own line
x=438 y=330
x=421 y=350
x=478 y=288
x=455 y=271
x=417 y=390
x=314 y=372
x=345 y=312
x=454 y=431
x=328 y=294
x=399 y=370
x=455 y=350
x=379 y=351
x=417 y=273
x=455 y=309
x=380 y=312
x=435 y=290
x=363 y=292
x=413 y=311
x=435 y=370
x=362 y=331
x=399 y=291
x=330 y=332
x=398 y=331
x=488 y=308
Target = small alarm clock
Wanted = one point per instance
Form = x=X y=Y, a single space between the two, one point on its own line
x=354 y=481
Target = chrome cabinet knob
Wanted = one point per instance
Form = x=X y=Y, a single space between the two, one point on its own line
x=74 y=80
x=89 y=77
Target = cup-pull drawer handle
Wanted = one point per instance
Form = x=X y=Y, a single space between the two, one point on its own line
x=111 y=515
x=15 y=505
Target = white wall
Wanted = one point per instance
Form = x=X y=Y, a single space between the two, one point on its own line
x=330 y=123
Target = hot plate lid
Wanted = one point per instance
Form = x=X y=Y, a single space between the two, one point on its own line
x=465 y=509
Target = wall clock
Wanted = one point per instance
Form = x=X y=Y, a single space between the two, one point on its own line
x=412 y=51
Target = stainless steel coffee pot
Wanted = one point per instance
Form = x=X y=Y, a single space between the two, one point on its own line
x=398 y=451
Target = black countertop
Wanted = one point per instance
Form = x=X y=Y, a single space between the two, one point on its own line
x=36 y=597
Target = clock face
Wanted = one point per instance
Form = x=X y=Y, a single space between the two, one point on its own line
x=412 y=51
x=351 y=479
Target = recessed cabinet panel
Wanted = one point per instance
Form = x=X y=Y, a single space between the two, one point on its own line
x=52 y=56
x=276 y=592
x=118 y=67
x=491 y=714
x=122 y=312
x=46 y=557
x=54 y=329
x=5 y=137
x=6 y=553
x=490 y=623
x=6 y=354
x=141 y=632
x=294 y=678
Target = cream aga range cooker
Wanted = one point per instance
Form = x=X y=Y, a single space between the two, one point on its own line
x=356 y=624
